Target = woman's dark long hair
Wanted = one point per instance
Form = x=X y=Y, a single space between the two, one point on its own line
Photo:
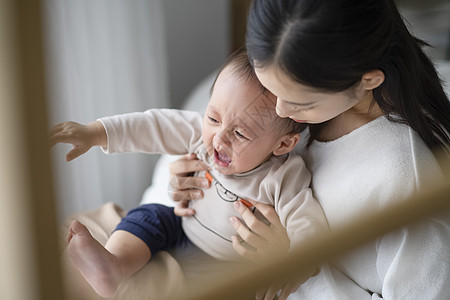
x=330 y=44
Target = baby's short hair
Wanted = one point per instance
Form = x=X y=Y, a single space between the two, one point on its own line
x=242 y=68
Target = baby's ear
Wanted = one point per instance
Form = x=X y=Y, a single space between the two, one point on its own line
x=286 y=143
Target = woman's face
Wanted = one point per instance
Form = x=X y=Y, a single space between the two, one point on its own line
x=303 y=103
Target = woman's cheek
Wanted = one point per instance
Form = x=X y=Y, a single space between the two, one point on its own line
x=315 y=116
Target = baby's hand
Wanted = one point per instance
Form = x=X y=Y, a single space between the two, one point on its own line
x=82 y=137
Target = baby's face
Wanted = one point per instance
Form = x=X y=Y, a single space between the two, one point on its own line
x=238 y=126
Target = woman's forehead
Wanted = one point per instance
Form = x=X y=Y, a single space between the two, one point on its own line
x=287 y=89
x=276 y=81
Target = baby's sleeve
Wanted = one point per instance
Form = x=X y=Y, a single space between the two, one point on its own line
x=298 y=210
x=158 y=131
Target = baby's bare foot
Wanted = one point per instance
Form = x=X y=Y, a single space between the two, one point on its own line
x=96 y=264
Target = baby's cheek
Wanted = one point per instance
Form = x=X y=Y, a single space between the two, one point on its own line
x=246 y=161
x=207 y=141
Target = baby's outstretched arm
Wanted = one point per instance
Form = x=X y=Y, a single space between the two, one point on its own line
x=82 y=137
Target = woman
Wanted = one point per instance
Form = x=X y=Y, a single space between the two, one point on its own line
x=377 y=110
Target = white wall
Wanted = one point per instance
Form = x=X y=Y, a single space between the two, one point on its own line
x=430 y=21
x=197 y=42
x=102 y=61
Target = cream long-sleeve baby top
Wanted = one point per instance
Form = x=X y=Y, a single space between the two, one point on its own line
x=281 y=181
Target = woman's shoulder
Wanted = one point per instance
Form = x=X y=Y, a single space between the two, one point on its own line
x=381 y=131
x=389 y=151
x=393 y=141
x=385 y=136
x=381 y=162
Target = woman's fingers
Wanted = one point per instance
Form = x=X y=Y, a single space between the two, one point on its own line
x=267 y=294
x=189 y=163
x=268 y=240
x=185 y=195
x=269 y=213
x=183 y=187
x=257 y=226
x=260 y=294
x=187 y=188
x=272 y=291
x=276 y=233
x=288 y=289
x=182 y=209
x=247 y=235
x=246 y=253
x=292 y=286
x=188 y=182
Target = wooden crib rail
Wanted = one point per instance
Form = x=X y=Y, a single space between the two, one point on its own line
x=29 y=250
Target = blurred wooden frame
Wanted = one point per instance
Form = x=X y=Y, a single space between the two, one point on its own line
x=29 y=253
x=238 y=22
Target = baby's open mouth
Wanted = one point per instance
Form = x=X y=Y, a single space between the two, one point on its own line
x=221 y=159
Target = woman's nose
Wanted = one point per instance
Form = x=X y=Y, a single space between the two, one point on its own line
x=282 y=109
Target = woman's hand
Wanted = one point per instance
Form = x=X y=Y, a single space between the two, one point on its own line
x=82 y=137
x=184 y=187
x=268 y=240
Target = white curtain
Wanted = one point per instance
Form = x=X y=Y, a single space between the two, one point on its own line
x=104 y=57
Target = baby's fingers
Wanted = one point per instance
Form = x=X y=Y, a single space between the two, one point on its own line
x=63 y=133
x=54 y=130
x=75 y=152
x=60 y=137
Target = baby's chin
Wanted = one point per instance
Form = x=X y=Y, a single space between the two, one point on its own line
x=225 y=170
x=231 y=170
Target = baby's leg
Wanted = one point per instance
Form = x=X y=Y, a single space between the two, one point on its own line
x=104 y=268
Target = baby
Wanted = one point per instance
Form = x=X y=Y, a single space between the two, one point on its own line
x=242 y=140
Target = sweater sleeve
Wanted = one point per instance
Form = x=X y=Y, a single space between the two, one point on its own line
x=404 y=273
x=154 y=131
x=299 y=211
x=414 y=261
